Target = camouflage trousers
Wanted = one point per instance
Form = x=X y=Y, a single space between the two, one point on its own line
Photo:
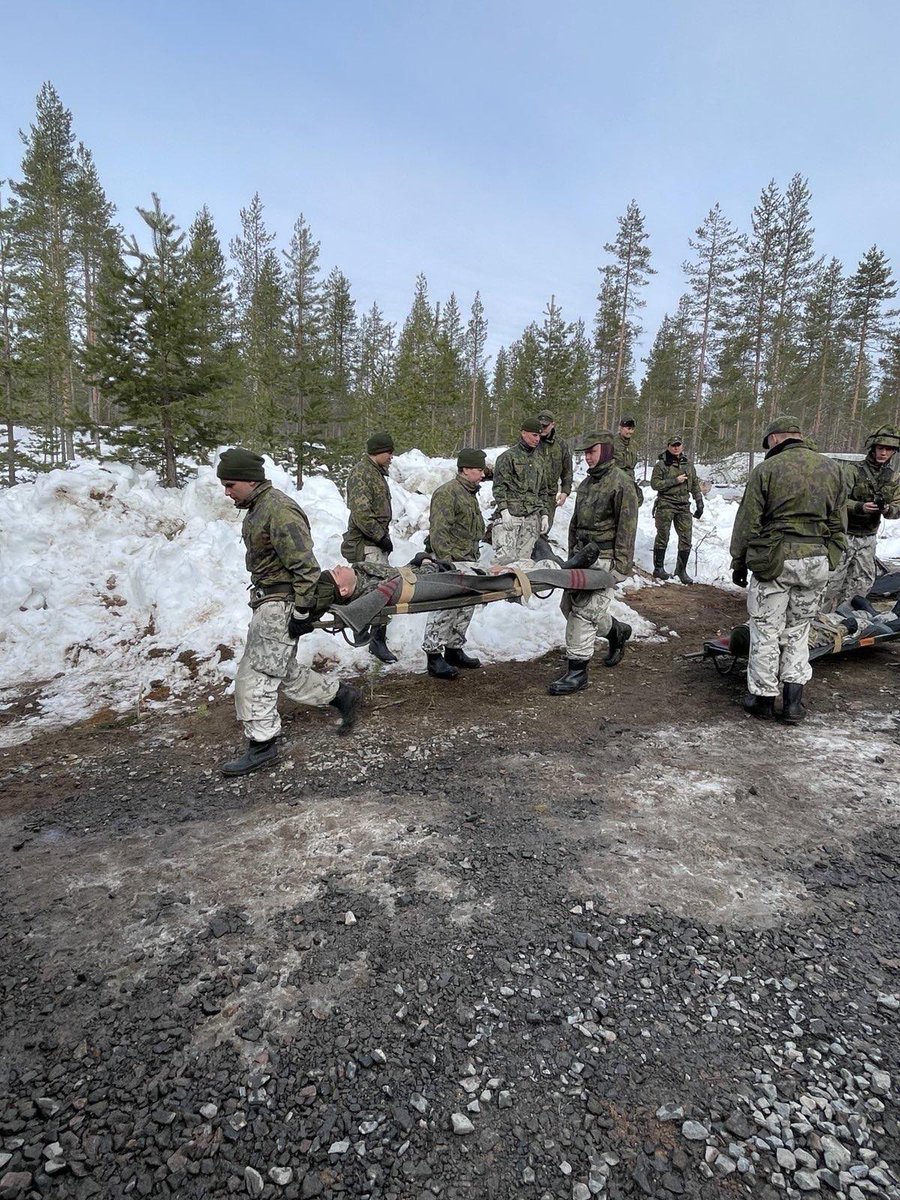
x=587 y=616
x=781 y=611
x=447 y=627
x=514 y=537
x=270 y=662
x=667 y=517
x=854 y=574
x=374 y=554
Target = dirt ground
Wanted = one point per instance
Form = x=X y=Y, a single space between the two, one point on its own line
x=462 y=826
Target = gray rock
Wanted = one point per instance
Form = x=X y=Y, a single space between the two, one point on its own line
x=581 y=1191
x=418 y=1102
x=4 y=1159
x=837 y=1157
x=53 y=1166
x=340 y=1147
x=253 y=1181
x=281 y=1176
x=785 y=1159
x=54 y=1150
x=48 y=1106
x=888 y=1001
x=724 y=1165
x=670 y=1112
x=806 y=1181
x=461 y=1124
x=881 y=1083
x=694 y=1131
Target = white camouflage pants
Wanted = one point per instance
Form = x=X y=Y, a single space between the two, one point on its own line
x=513 y=538
x=587 y=617
x=780 y=612
x=447 y=627
x=270 y=662
x=854 y=574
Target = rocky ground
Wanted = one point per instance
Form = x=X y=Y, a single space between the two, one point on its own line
x=625 y=943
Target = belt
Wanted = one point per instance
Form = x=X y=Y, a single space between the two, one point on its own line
x=272 y=589
x=814 y=539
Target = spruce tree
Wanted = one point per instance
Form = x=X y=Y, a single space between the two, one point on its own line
x=10 y=347
x=524 y=388
x=476 y=339
x=414 y=372
x=309 y=400
x=827 y=377
x=758 y=297
x=606 y=344
x=868 y=289
x=374 y=373
x=630 y=270
x=499 y=392
x=795 y=270
x=207 y=274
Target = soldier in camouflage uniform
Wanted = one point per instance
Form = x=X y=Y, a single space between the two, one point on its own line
x=523 y=497
x=283 y=574
x=557 y=463
x=606 y=515
x=873 y=492
x=368 y=538
x=674 y=480
x=788 y=530
x=626 y=455
x=455 y=533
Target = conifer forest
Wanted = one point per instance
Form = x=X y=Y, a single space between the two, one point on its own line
x=139 y=331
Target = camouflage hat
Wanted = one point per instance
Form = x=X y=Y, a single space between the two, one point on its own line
x=530 y=425
x=241 y=465
x=626 y=421
x=594 y=439
x=380 y=443
x=546 y=418
x=887 y=435
x=470 y=458
x=675 y=439
x=783 y=424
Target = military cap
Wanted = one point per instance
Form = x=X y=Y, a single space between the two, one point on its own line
x=675 y=440
x=594 y=439
x=629 y=421
x=468 y=457
x=783 y=424
x=887 y=435
x=380 y=443
x=241 y=465
x=530 y=425
x=546 y=418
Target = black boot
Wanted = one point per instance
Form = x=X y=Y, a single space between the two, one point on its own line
x=681 y=566
x=760 y=706
x=347 y=701
x=457 y=657
x=585 y=557
x=440 y=668
x=793 y=710
x=659 y=565
x=617 y=637
x=574 y=679
x=257 y=754
x=379 y=647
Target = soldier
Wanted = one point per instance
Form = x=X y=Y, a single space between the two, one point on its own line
x=523 y=496
x=675 y=481
x=874 y=492
x=455 y=533
x=789 y=528
x=606 y=513
x=368 y=538
x=557 y=463
x=284 y=575
x=626 y=454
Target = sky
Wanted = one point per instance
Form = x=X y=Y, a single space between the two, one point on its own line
x=490 y=144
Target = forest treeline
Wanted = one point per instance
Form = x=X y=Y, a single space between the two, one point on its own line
x=162 y=344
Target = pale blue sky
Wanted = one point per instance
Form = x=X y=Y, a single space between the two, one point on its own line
x=491 y=145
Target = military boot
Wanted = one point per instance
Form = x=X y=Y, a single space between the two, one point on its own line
x=659 y=565
x=347 y=701
x=681 y=567
x=257 y=754
x=457 y=657
x=379 y=647
x=440 y=668
x=574 y=680
x=793 y=710
x=760 y=706
x=617 y=637
x=585 y=557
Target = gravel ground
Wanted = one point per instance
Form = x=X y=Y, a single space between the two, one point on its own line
x=625 y=943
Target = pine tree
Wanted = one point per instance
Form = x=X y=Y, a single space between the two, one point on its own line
x=524 y=388
x=758 y=294
x=340 y=346
x=868 y=289
x=581 y=370
x=414 y=372
x=888 y=407
x=795 y=270
x=824 y=336
x=606 y=344
x=630 y=270
x=305 y=328
x=476 y=339
x=499 y=391
x=668 y=388
x=10 y=350
x=250 y=252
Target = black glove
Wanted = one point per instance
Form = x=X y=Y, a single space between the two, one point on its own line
x=301 y=622
x=739 y=576
x=698 y=511
x=385 y=544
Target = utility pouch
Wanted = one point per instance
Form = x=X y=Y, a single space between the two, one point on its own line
x=765 y=556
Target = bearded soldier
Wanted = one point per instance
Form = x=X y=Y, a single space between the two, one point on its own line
x=455 y=533
x=606 y=514
x=523 y=496
x=873 y=492
x=789 y=528
x=557 y=463
x=368 y=538
x=283 y=575
x=675 y=481
x=626 y=454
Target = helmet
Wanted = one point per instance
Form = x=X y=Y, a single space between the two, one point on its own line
x=887 y=435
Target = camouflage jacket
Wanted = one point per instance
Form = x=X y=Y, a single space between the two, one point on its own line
x=663 y=481
x=369 y=501
x=279 y=544
x=557 y=463
x=864 y=481
x=520 y=482
x=457 y=525
x=369 y=575
x=625 y=454
x=796 y=497
x=606 y=512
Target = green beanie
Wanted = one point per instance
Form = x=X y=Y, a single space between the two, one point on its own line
x=471 y=458
x=380 y=443
x=783 y=424
x=241 y=465
x=531 y=425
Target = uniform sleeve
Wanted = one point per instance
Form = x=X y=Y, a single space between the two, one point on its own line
x=695 y=486
x=501 y=480
x=364 y=506
x=891 y=493
x=441 y=519
x=658 y=480
x=748 y=521
x=626 y=528
x=836 y=524
x=292 y=541
x=548 y=490
x=565 y=482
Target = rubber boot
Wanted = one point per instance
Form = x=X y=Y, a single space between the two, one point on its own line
x=457 y=657
x=793 y=710
x=681 y=567
x=760 y=706
x=379 y=647
x=574 y=680
x=659 y=565
x=257 y=755
x=617 y=637
x=440 y=668
x=347 y=701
